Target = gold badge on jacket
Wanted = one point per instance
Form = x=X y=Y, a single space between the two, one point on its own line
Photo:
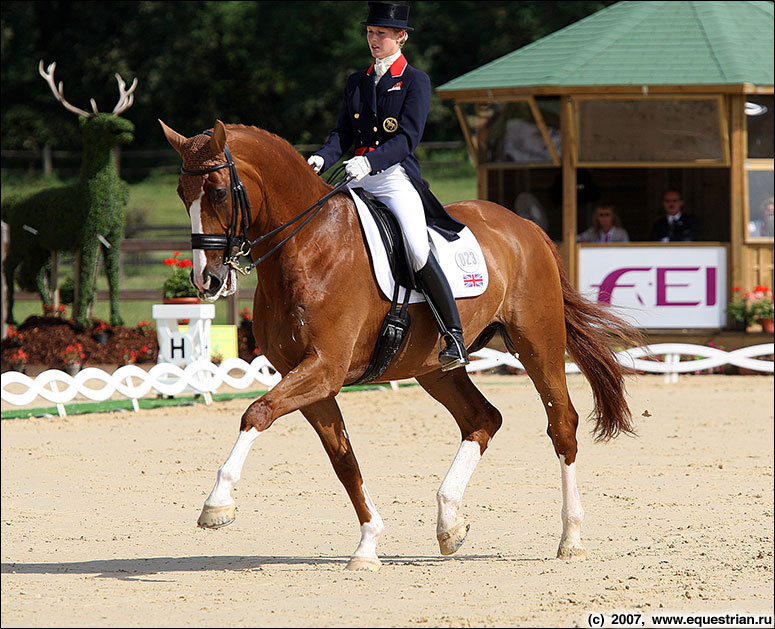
x=390 y=125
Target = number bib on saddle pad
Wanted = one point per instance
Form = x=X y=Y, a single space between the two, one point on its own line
x=461 y=260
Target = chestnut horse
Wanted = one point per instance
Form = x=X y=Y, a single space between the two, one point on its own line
x=317 y=313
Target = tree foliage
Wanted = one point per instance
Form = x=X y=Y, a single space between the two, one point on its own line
x=275 y=64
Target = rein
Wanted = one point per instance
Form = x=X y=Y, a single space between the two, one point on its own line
x=235 y=243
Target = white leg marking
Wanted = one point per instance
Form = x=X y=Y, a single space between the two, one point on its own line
x=200 y=260
x=450 y=494
x=370 y=531
x=229 y=472
x=572 y=514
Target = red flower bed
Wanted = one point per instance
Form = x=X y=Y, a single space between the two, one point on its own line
x=44 y=339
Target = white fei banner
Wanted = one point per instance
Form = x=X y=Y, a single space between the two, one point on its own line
x=658 y=287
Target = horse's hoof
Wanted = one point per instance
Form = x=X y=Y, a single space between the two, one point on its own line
x=216 y=517
x=575 y=552
x=372 y=564
x=451 y=540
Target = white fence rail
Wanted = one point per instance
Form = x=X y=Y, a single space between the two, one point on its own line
x=133 y=383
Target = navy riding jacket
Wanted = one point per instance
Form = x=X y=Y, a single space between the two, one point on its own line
x=385 y=121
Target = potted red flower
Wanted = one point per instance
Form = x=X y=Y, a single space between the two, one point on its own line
x=73 y=355
x=760 y=304
x=100 y=331
x=128 y=357
x=18 y=361
x=177 y=288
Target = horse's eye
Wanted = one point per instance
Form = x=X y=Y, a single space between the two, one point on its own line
x=218 y=194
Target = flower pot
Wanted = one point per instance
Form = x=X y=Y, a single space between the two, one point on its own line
x=768 y=325
x=21 y=368
x=740 y=325
x=72 y=368
x=182 y=300
x=101 y=337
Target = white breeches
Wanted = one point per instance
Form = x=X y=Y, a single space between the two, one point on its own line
x=396 y=191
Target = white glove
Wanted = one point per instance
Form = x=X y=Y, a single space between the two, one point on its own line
x=358 y=167
x=316 y=162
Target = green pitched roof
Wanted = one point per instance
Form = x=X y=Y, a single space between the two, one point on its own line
x=658 y=42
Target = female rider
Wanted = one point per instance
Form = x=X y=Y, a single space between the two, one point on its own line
x=383 y=115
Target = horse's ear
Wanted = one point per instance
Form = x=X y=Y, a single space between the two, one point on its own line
x=173 y=137
x=218 y=141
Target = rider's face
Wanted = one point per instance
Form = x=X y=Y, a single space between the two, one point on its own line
x=383 y=41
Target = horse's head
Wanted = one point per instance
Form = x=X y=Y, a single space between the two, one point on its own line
x=205 y=187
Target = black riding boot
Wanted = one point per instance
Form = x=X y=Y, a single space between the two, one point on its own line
x=434 y=286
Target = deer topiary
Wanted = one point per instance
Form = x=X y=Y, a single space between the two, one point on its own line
x=85 y=217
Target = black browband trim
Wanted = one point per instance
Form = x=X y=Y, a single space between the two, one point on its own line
x=205 y=171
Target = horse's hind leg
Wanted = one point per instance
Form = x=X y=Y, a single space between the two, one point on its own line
x=478 y=421
x=544 y=360
x=326 y=418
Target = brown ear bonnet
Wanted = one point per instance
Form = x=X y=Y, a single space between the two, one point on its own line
x=197 y=154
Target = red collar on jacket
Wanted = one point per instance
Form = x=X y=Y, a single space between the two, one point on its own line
x=396 y=69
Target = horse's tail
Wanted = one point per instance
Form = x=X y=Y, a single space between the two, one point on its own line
x=591 y=330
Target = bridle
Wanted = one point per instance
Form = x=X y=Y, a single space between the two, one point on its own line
x=235 y=243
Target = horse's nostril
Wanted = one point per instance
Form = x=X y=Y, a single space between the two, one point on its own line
x=215 y=284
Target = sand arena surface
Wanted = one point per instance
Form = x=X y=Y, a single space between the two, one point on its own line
x=99 y=515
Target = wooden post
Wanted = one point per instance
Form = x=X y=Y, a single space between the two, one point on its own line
x=48 y=167
x=470 y=140
x=736 y=264
x=568 y=247
x=233 y=308
x=482 y=183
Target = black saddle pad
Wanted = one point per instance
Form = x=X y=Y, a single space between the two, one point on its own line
x=392 y=237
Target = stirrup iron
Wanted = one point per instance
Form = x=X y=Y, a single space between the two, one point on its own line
x=454 y=355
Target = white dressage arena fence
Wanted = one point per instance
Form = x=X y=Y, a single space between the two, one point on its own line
x=202 y=376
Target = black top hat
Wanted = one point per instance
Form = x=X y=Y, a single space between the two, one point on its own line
x=392 y=15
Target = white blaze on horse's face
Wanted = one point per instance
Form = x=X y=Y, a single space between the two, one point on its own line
x=200 y=259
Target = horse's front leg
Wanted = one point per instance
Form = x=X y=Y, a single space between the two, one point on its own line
x=308 y=383
x=326 y=418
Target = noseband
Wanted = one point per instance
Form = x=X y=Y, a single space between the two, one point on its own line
x=235 y=243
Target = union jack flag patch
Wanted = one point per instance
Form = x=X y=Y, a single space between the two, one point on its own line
x=472 y=280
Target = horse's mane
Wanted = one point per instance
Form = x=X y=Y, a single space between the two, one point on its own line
x=272 y=140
